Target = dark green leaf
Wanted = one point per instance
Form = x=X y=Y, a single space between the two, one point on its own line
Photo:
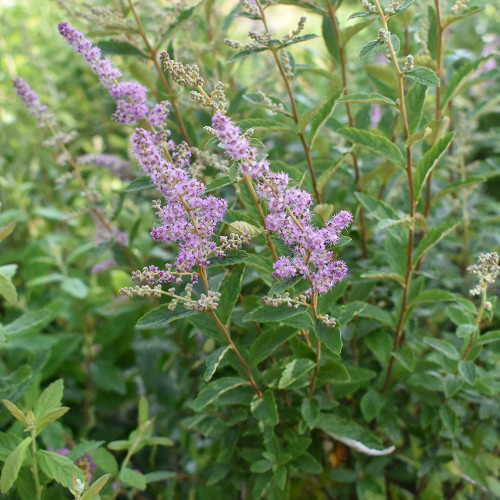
x=122 y=48
x=424 y=76
x=295 y=370
x=427 y=163
x=244 y=53
x=375 y=143
x=330 y=39
x=432 y=238
x=218 y=183
x=213 y=361
x=370 y=98
x=403 y=5
x=133 y=478
x=369 y=48
x=433 y=296
x=432 y=32
x=142 y=182
x=347 y=33
x=58 y=467
x=265 y=314
x=329 y=336
x=415 y=100
x=215 y=389
x=230 y=290
x=371 y=404
x=29 y=321
x=162 y=316
x=268 y=341
x=443 y=346
x=107 y=376
x=360 y=14
x=299 y=39
x=467 y=370
x=231 y=258
x=265 y=410
x=283 y=285
x=325 y=110
x=310 y=412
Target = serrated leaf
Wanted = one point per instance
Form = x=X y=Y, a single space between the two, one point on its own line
x=213 y=361
x=299 y=39
x=230 y=290
x=133 y=478
x=6 y=230
x=443 y=346
x=461 y=15
x=370 y=98
x=375 y=143
x=16 y=412
x=432 y=296
x=49 y=417
x=347 y=33
x=424 y=76
x=295 y=370
x=330 y=337
x=418 y=136
x=378 y=208
x=96 y=487
x=28 y=321
x=415 y=100
x=264 y=409
x=240 y=227
x=58 y=467
x=489 y=337
x=326 y=108
x=50 y=398
x=363 y=13
x=12 y=465
x=268 y=341
x=369 y=48
x=162 y=316
x=283 y=285
x=432 y=238
x=427 y=163
x=458 y=79
x=7 y=289
x=214 y=390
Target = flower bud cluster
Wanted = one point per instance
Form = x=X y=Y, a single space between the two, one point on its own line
x=296 y=32
x=131 y=96
x=251 y=8
x=327 y=321
x=459 y=6
x=266 y=101
x=233 y=242
x=289 y=215
x=369 y=7
x=153 y=275
x=206 y=302
x=409 y=64
x=141 y=291
x=383 y=35
x=392 y=8
x=185 y=75
x=286 y=61
x=278 y=299
x=42 y=114
x=487 y=271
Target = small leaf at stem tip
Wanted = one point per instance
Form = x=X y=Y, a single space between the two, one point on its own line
x=424 y=76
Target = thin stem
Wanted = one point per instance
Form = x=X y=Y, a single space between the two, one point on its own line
x=437 y=112
x=351 y=121
x=258 y=205
x=152 y=56
x=243 y=363
x=411 y=232
x=295 y=115
x=34 y=467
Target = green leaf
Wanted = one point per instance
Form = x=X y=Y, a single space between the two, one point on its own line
x=403 y=5
x=458 y=79
x=158 y=441
x=363 y=13
x=206 y=325
x=443 y=346
x=467 y=370
x=326 y=108
x=6 y=230
x=378 y=208
x=418 y=136
x=231 y=258
x=82 y=448
x=432 y=238
x=57 y=467
x=295 y=370
x=218 y=183
x=29 y=321
x=162 y=316
x=380 y=343
x=432 y=33
x=122 y=48
x=96 y=487
x=12 y=465
x=384 y=276
x=371 y=404
x=370 y=98
x=322 y=106
x=49 y=417
x=133 y=478
x=264 y=314
x=461 y=15
x=299 y=39
x=264 y=409
x=427 y=163
x=370 y=47
x=415 y=100
x=261 y=466
x=230 y=290
x=213 y=361
x=329 y=336
x=489 y=337
x=329 y=37
x=244 y=53
x=449 y=418
x=107 y=376
x=434 y=295
x=240 y=227
x=347 y=33
x=50 y=398
x=105 y=460
x=75 y=287
x=142 y=182
x=283 y=285
x=325 y=176
x=214 y=390
x=375 y=143
x=267 y=125
x=7 y=289
x=310 y=412
x=268 y=341
x=424 y=76
x=16 y=412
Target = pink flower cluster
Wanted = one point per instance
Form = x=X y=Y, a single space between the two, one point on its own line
x=131 y=96
x=31 y=101
x=289 y=215
x=188 y=217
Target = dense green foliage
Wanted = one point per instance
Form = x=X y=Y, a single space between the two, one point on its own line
x=124 y=397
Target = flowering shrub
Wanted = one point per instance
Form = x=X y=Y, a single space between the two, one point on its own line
x=308 y=310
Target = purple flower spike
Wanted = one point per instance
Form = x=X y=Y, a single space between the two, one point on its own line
x=229 y=134
x=30 y=100
x=132 y=109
